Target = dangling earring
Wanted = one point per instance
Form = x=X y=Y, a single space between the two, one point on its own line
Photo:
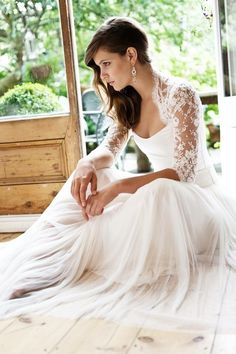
x=134 y=74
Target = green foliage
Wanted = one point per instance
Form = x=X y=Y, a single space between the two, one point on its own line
x=211 y=113
x=29 y=98
x=91 y=126
x=30 y=35
x=2 y=74
x=211 y=118
x=182 y=45
x=56 y=79
x=22 y=21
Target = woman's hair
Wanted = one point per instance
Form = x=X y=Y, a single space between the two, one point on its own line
x=115 y=36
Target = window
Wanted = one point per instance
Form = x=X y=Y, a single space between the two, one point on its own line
x=227 y=10
x=32 y=72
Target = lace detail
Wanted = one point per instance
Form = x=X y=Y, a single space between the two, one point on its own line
x=116 y=138
x=184 y=110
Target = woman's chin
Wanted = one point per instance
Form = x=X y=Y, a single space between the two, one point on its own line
x=118 y=87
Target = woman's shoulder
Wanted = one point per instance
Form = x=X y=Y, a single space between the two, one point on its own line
x=173 y=88
x=177 y=84
x=179 y=93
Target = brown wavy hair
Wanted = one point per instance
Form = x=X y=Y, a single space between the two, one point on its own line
x=115 y=36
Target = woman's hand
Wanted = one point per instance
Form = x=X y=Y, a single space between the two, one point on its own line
x=96 y=203
x=85 y=174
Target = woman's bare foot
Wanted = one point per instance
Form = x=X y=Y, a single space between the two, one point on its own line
x=18 y=293
x=26 y=292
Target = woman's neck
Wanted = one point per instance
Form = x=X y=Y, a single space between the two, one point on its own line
x=145 y=81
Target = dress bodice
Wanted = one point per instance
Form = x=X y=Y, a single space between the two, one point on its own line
x=181 y=144
x=159 y=149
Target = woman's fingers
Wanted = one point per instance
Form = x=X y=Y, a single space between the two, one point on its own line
x=94 y=184
x=76 y=190
x=72 y=188
x=93 y=206
x=76 y=184
x=83 y=188
x=94 y=210
x=88 y=206
x=85 y=215
x=79 y=187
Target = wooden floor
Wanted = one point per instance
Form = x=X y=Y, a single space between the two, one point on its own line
x=8 y=237
x=44 y=334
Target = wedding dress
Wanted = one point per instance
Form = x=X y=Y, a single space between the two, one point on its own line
x=149 y=255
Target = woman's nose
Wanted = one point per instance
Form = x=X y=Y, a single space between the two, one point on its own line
x=103 y=75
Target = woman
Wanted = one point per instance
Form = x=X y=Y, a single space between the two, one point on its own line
x=120 y=242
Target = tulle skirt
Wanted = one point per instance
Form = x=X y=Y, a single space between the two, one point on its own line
x=162 y=254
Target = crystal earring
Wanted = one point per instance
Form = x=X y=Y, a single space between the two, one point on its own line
x=134 y=74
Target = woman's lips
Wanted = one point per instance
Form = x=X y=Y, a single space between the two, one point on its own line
x=111 y=82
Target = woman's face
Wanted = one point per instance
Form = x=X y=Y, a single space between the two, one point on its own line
x=115 y=69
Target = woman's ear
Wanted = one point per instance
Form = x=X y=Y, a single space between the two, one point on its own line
x=132 y=55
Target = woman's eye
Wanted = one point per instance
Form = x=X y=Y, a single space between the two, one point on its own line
x=106 y=63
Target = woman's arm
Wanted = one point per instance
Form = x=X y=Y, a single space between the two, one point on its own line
x=185 y=111
x=103 y=156
x=106 y=153
x=131 y=184
x=96 y=203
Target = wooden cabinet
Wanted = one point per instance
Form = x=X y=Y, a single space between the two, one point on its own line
x=37 y=154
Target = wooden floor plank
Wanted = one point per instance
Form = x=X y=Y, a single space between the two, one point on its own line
x=121 y=341
x=33 y=334
x=8 y=236
x=195 y=335
x=160 y=342
x=86 y=337
x=225 y=339
x=46 y=334
x=4 y=324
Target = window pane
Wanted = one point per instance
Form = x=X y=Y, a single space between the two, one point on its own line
x=228 y=35
x=32 y=71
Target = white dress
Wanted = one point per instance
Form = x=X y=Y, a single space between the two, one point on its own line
x=150 y=253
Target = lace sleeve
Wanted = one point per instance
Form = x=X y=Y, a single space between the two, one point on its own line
x=116 y=138
x=185 y=111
